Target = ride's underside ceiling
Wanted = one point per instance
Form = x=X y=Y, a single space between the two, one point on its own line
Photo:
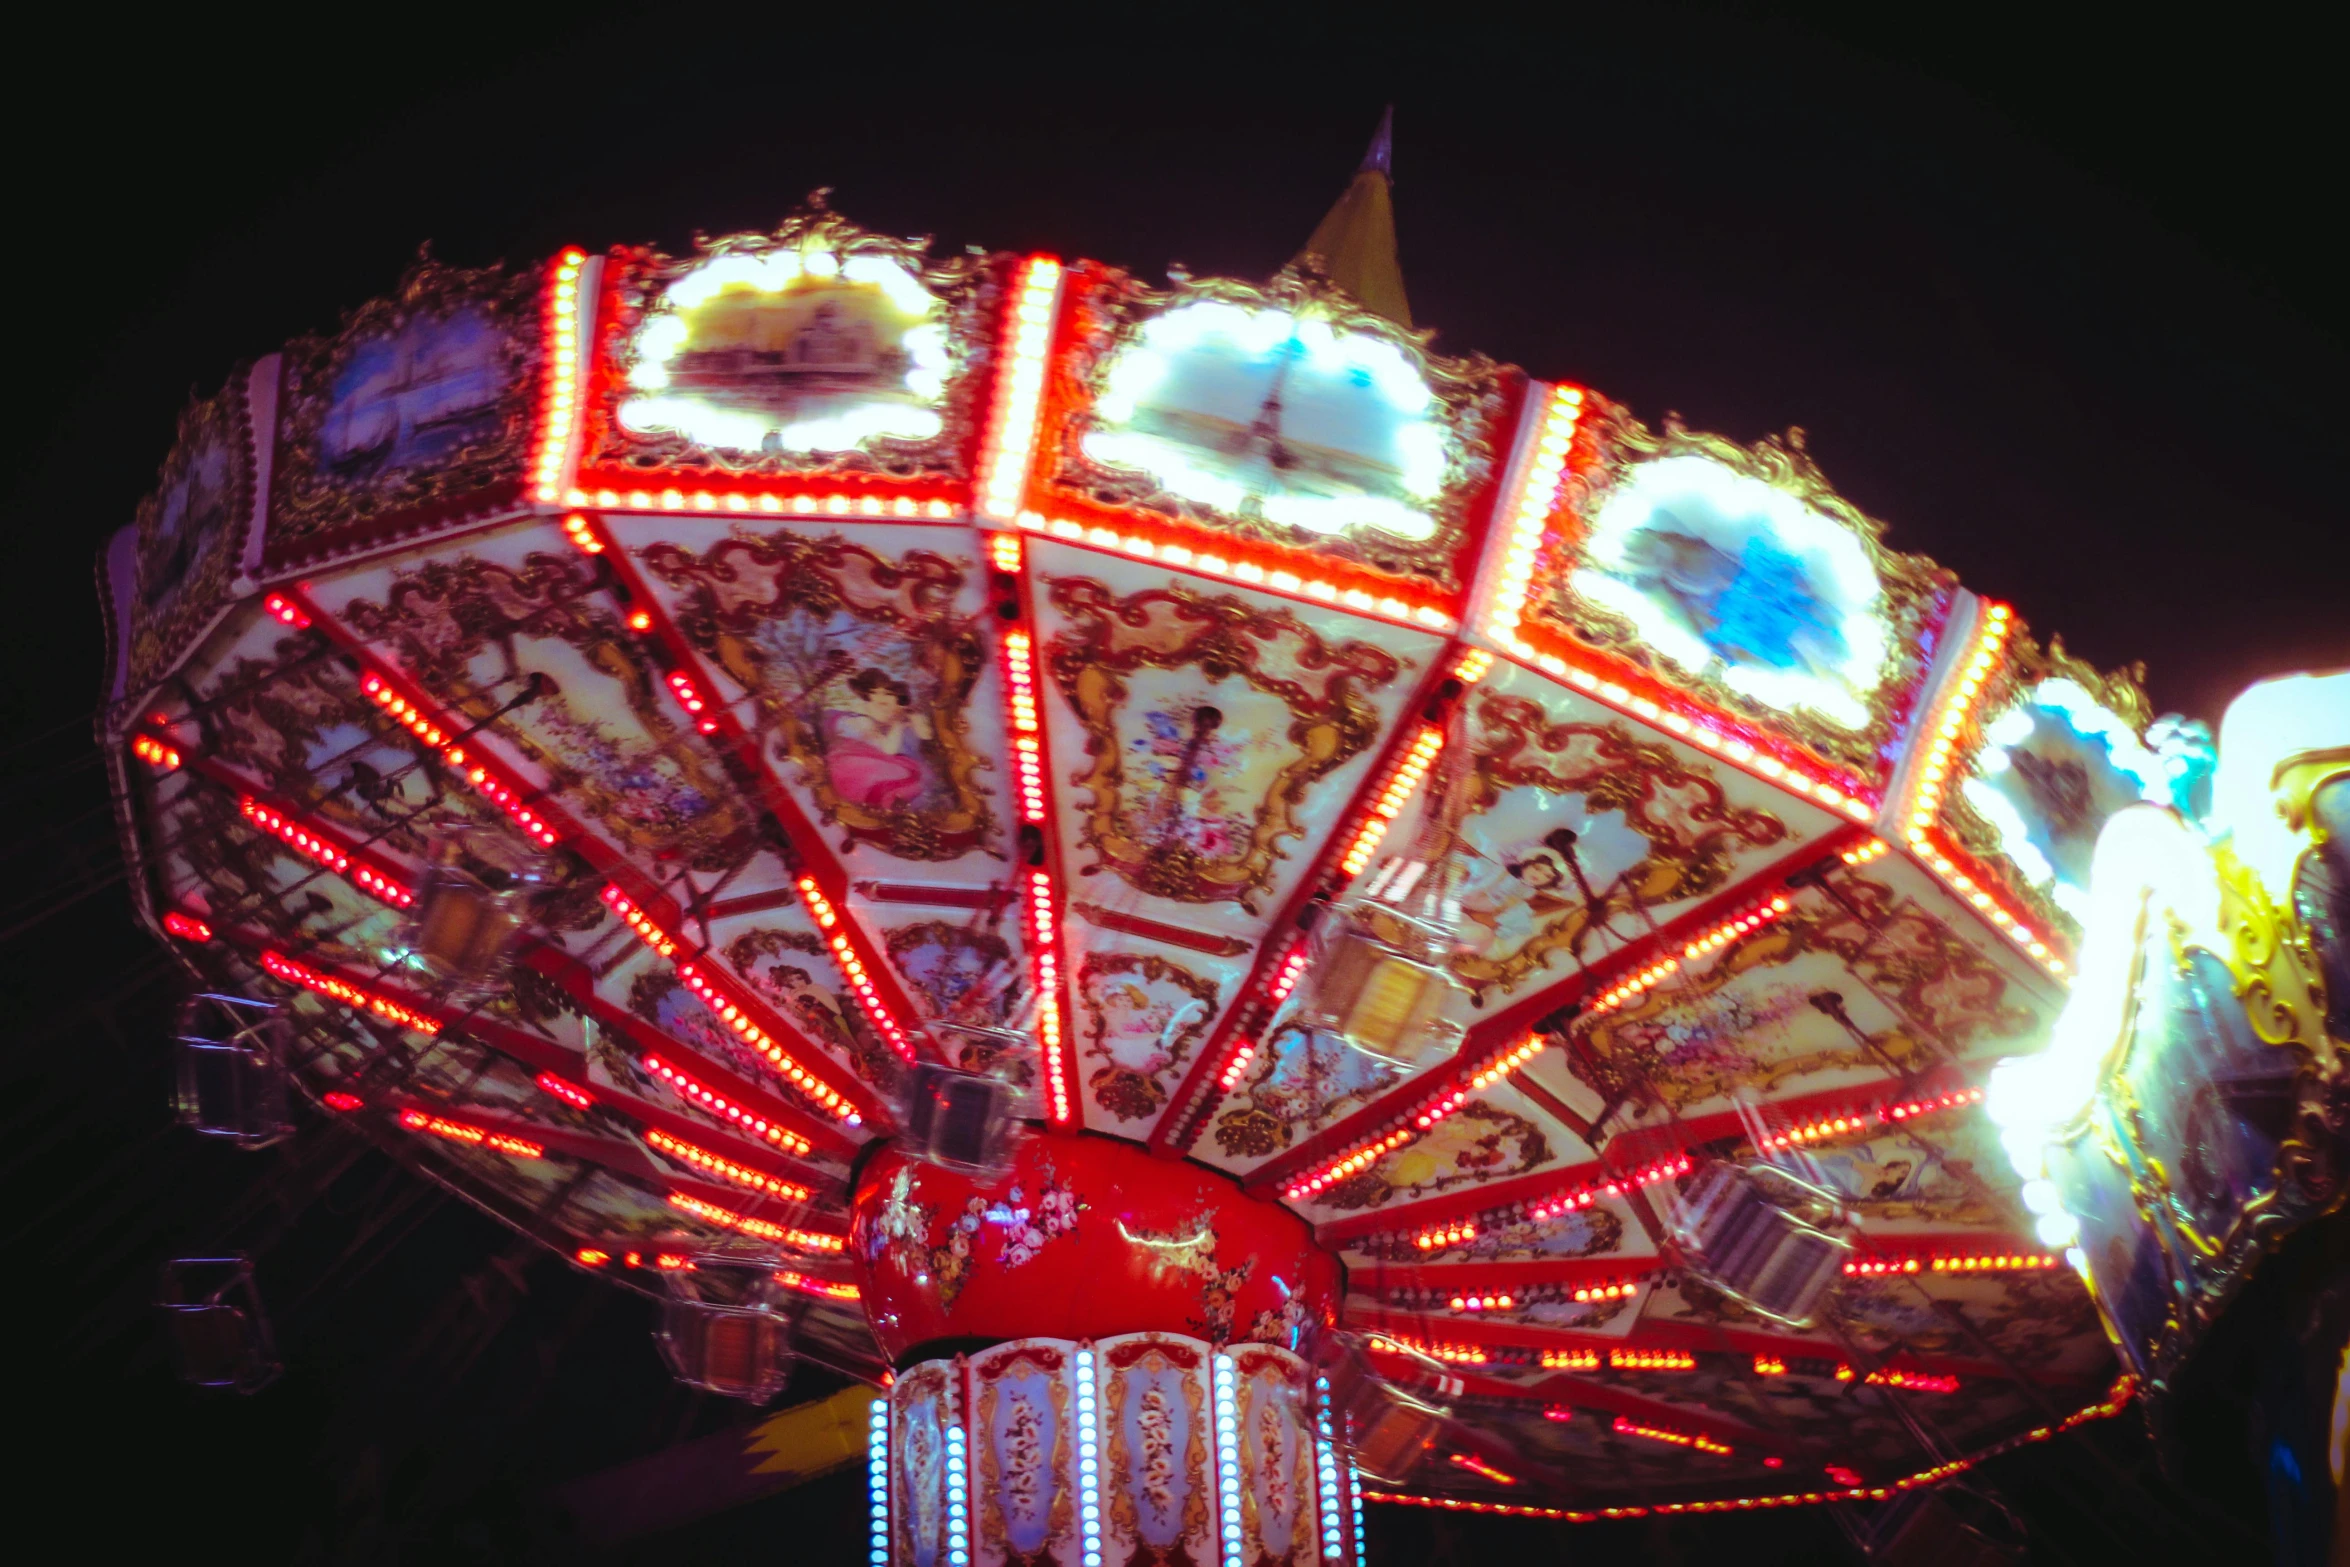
x=871 y=660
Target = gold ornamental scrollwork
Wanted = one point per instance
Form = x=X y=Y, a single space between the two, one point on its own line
x=1916 y=592
x=1472 y=391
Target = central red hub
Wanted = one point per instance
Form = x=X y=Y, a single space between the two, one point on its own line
x=1084 y=1237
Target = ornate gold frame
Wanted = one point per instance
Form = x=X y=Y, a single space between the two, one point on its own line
x=1124 y=1091
x=1222 y=636
x=820 y=577
x=967 y=305
x=2122 y=692
x=1916 y=590
x=1471 y=391
x=306 y=502
x=222 y=417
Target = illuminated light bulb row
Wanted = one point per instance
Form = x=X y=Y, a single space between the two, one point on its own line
x=1731 y=929
x=576 y=528
x=1769 y=1366
x=958 y=1488
x=490 y=785
x=902 y=506
x=637 y=920
x=1491 y=1074
x=1089 y=1462
x=1847 y=1122
x=822 y=1289
x=1913 y=1381
x=280 y=608
x=501 y=794
x=459 y=1132
x=337 y=1099
x=1733 y=748
x=410 y=716
x=155 y=753
x=1237 y=1068
x=1559 y=1412
x=559 y=402
x=1446 y=1235
x=2019 y=1262
x=877 y=1479
x=1483 y=1302
x=1044 y=946
x=1621 y=1290
x=1651 y=1360
x=1423 y=1116
x=1530 y=508
x=1472 y=666
x=724 y=1168
x=731 y=1012
x=1664 y=1169
x=1331 y=1510
x=569 y=1092
x=1248 y=572
x=1942 y=743
x=1224 y=1383
x=1870 y=1267
x=757 y=1229
x=1570 y=1360
x=1027 y=340
x=185 y=926
x=1480 y=1467
x=1003 y=552
x=1966 y=886
x=1855 y=1486
x=757 y=1125
x=333 y=989
x=1411 y=770
x=1625 y=1425
x=681 y=686
x=852 y=968
x=1625 y=989
x=1862 y=854
x=1451 y=1354
x=1027 y=745
x=1934 y=773
x=312 y=846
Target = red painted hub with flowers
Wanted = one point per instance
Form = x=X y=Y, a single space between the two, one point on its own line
x=1083 y=1237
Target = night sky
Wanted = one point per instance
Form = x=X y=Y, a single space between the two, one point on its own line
x=2061 y=308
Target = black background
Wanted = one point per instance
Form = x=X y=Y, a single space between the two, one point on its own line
x=2060 y=303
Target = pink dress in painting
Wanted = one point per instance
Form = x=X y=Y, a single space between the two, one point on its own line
x=863 y=773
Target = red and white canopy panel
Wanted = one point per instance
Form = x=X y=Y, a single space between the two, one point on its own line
x=855 y=658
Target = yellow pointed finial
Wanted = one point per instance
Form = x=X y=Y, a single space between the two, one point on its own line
x=1354 y=245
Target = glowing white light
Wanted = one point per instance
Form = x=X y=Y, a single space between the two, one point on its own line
x=2014 y=729
x=877 y=1479
x=1226 y=1380
x=1685 y=505
x=958 y=1511
x=1178 y=402
x=900 y=310
x=2148 y=866
x=2273 y=722
x=1089 y=1510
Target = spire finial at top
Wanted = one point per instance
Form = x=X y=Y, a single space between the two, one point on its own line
x=1354 y=245
x=1379 y=158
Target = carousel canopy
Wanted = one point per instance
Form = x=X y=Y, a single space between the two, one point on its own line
x=633 y=713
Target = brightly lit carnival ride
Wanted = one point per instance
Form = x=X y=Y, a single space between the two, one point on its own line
x=1247 y=916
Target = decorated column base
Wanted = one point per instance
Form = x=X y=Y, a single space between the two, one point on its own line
x=1143 y=1450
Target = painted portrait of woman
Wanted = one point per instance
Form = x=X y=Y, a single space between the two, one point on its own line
x=873 y=736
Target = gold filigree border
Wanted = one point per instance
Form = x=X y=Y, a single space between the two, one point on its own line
x=2122 y=692
x=1916 y=591
x=967 y=287
x=1472 y=391
x=306 y=501
x=156 y=640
